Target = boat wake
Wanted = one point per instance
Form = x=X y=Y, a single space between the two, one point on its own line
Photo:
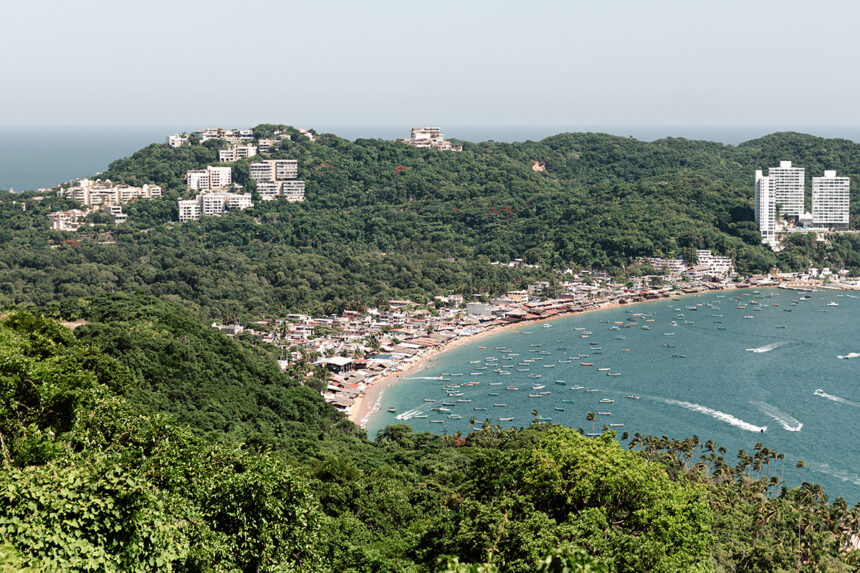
x=824 y=394
x=839 y=474
x=716 y=414
x=767 y=347
x=787 y=421
x=849 y=356
x=409 y=414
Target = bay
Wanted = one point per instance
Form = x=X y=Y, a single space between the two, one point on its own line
x=703 y=367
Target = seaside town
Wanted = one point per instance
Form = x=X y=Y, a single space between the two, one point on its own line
x=363 y=350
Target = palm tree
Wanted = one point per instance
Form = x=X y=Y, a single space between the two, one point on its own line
x=801 y=465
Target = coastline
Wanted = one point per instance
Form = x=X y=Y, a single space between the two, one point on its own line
x=369 y=401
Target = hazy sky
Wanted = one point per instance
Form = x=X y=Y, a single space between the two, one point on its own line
x=644 y=62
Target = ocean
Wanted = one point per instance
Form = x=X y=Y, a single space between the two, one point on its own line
x=768 y=372
x=43 y=156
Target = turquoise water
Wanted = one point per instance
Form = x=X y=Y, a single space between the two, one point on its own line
x=714 y=373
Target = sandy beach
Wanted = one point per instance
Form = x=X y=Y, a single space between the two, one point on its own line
x=369 y=401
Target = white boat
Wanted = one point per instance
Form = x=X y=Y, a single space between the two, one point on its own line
x=604 y=369
x=831 y=303
x=606 y=401
x=613 y=373
x=429 y=400
x=538 y=386
x=506 y=419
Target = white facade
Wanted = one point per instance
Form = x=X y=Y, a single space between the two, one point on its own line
x=765 y=208
x=209 y=178
x=236 y=152
x=293 y=190
x=67 y=220
x=268 y=190
x=430 y=138
x=212 y=205
x=189 y=210
x=273 y=170
x=89 y=192
x=788 y=184
x=830 y=200
x=717 y=265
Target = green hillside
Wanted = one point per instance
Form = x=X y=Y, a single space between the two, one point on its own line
x=96 y=475
x=371 y=230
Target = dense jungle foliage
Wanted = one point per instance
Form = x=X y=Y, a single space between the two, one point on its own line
x=384 y=220
x=145 y=440
x=109 y=463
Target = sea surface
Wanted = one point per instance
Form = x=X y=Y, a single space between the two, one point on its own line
x=43 y=156
x=768 y=372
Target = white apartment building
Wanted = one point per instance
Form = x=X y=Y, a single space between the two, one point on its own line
x=830 y=200
x=268 y=190
x=67 y=220
x=115 y=212
x=265 y=145
x=212 y=205
x=189 y=210
x=177 y=139
x=293 y=190
x=674 y=266
x=788 y=184
x=765 y=208
x=717 y=265
x=273 y=170
x=430 y=138
x=209 y=178
x=236 y=152
x=89 y=192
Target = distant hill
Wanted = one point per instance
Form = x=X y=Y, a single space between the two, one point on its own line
x=385 y=220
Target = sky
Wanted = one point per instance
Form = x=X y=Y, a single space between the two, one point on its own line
x=476 y=62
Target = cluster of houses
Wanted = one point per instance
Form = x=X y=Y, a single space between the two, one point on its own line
x=97 y=195
x=358 y=348
x=707 y=266
x=240 y=138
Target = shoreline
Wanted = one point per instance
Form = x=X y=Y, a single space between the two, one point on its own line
x=369 y=401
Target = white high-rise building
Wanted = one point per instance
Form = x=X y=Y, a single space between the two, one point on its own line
x=830 y=200
x=789 y=185
x=765 y=208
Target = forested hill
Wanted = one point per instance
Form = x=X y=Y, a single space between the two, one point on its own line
x=384 y=220
x=97 y=474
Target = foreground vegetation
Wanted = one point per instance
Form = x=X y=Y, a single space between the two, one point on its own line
x=115 y=459
x=384 y=220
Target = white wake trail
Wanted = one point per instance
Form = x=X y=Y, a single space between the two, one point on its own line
x=767 y=347
x=409 y=414
x=716 y=414
x=849 y=356
x=824 y=394
x=787 y=421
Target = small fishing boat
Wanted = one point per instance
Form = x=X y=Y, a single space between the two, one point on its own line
x=606 y=401
x=586 y=363
x=506 y=419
